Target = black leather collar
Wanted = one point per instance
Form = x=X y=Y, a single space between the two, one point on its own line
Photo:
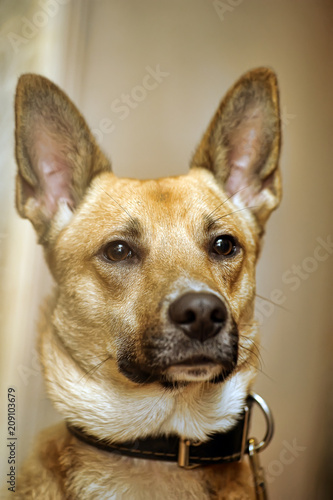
x=220 y=448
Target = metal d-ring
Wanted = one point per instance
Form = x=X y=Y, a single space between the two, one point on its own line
x=269 y=421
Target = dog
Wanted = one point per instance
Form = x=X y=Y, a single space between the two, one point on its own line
x=149 y=335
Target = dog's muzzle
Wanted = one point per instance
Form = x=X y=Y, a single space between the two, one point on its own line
x=196 y=341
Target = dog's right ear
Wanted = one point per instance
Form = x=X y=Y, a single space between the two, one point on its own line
x=56 y=154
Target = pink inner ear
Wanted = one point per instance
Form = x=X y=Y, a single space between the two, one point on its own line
x=53 y=172
x=245 y=143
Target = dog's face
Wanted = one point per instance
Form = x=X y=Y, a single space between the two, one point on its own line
x=155 y=279
x=157 y=275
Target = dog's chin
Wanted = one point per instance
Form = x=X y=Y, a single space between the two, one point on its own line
x=202 y=371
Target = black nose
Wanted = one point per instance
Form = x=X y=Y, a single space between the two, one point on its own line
x=200 y=315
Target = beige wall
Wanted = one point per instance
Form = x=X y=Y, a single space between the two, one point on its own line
x=201 y=50
x=41 y=40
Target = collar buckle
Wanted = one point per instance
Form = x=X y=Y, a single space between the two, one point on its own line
x=184 y=453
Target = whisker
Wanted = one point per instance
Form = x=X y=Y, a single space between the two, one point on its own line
x=119 y=205
x=225 y=201
x=273 y=303
x=253 y=343
x=159 y=399
x=239 y=210
x=212 y=222
x=255 y=353
x=93 y=370
x=252 y=347
x=260 y=370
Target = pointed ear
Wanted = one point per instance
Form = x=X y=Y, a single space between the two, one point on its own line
x=242 y=144
x=56 y=154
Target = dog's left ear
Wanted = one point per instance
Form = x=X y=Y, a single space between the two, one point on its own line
x=242 y=143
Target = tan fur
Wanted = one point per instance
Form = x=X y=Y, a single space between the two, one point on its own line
x=105 y=313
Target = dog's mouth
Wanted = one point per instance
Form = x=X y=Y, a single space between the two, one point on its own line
x=195 y=360
x=194 y=369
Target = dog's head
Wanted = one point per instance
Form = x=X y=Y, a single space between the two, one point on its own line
x=155 y=279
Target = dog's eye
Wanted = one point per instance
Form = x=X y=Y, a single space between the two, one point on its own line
x=117 y=251
x=224 y=245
